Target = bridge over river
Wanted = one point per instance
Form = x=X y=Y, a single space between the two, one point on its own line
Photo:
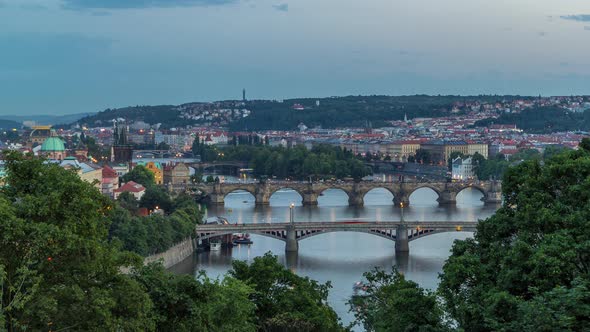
x=401 y=232
x=447 y=191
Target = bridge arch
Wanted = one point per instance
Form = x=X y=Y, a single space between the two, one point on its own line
x=389 y=236
x=427 y=232
x=286 y=189
x=334 y=191
x=427 y=189
x=427 y=186
x=239 y=190
x=463 y=197
x=472 y=186
x=389 y=193
x=272 y=235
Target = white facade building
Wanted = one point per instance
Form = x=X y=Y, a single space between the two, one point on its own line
x=462 y=169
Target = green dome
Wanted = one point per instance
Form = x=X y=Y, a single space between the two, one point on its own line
x=53 y=144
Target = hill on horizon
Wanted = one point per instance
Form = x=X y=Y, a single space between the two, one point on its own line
x=46 y=119
x=9 y=124
x=330 y=112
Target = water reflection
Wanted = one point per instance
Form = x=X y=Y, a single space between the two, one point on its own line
x=342 y=257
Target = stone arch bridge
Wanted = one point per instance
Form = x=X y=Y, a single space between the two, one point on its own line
x=310 y=191
x=400 y=232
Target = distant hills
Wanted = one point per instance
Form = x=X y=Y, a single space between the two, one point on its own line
x=44 y=119
x=332 y=112
x=9 y=124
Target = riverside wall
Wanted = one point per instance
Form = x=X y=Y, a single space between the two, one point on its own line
x=174 y=255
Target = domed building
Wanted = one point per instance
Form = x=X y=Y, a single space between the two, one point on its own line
x=53 y=148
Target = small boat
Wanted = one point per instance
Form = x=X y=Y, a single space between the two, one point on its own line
x=215 y=245
x=242 y=239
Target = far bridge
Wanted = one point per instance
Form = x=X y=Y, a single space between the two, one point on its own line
x=310 y=191
x=236 y=165
x=401 y=232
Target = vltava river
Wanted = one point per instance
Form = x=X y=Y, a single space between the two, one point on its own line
x=342 y=257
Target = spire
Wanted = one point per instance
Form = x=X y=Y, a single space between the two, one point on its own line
x=405 y=117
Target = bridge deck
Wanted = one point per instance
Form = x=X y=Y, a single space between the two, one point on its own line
x=340 y=225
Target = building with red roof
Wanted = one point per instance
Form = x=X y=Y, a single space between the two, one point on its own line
x=136 y=189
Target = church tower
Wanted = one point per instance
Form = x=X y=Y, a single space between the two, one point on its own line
x=122 y=151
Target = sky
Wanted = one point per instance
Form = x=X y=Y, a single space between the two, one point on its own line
x=72 y=56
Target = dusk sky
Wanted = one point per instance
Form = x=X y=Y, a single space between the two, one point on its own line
x=71 y=56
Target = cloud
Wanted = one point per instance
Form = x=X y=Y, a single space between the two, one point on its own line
x=283 y=7
x=137 y=4
x=587 y=28
x=542 y=33
x=578 y=18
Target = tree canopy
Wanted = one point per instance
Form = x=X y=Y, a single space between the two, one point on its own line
x=60 y=272
x=285 y=301
x=528 y=267
x=140 y=174
x=392 y=303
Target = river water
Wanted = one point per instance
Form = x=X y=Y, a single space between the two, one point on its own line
x=342 y=257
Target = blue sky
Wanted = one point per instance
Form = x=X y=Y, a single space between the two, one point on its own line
x=70 y=56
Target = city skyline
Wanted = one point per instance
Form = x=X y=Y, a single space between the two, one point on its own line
x=76 y=56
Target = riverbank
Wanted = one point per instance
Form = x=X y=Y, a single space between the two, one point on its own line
x=174 y=255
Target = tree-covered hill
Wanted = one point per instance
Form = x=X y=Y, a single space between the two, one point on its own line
x=8 y=124
x=332 y=112
x=165 y=114
x=349 y=111
x=543 y=120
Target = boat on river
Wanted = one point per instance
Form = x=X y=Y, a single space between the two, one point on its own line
x=242 y=239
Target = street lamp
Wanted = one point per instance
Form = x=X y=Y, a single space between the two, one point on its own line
x=291 y=219
x=401 y=205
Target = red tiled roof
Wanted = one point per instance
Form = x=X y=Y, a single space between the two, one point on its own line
x=108 y=172
x=130 y=187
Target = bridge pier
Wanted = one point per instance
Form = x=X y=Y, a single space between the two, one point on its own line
x=262 y=198
x=493 y=197
x=402 y=244
x=401 y=198
x=447 y=197
x=217 y=199
x=292 y=245
x=355 y=199
x=310 y=199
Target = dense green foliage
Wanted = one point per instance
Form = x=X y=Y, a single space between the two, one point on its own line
x=285 y=301
x=59 y=271
x=349 y=111
x=182 y=303
x=543 y=120
x=392 y=303
x=322 y=161
x=422 y=156
x=140 y=174
x=157 y=232
x=528 y=267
